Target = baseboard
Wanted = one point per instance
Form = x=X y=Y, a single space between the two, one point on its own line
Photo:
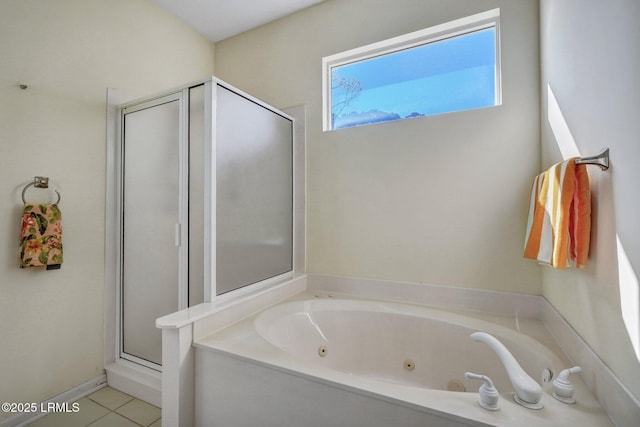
x=135 y=380
x=69 y=396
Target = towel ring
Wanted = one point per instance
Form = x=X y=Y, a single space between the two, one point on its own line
x=39 y=182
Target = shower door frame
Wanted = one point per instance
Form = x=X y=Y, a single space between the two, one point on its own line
x=140 y=380
x=181 y=234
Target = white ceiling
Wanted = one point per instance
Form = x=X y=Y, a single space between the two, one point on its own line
x=220 y=19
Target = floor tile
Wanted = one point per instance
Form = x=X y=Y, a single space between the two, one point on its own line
x=110 y=398
x=56 y=420
x=89 y=411
x=113 y=420
x=140 y=412
x=106 y=407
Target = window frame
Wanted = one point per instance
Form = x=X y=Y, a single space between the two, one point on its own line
x=458 y=27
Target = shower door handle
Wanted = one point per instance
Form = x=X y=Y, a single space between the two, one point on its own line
x=178 y=234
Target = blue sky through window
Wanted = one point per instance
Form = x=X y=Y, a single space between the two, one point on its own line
x=454 y=74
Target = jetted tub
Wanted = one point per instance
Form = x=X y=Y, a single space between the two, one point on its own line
x=399 y=343
x=352 y=362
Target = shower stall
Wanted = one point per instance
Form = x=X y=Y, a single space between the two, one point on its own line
x=203 y=197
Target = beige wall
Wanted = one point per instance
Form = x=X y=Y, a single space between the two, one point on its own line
x=440 y=200
x=69 y=52
x=590 y=87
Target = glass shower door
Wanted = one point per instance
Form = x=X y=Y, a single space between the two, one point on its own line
x=151 y=188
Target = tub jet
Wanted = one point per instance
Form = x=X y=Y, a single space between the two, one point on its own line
x=322 y=351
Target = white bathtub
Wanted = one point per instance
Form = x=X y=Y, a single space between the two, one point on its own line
x=354 y=362
x=398 y=343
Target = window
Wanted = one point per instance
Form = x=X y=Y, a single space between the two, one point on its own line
x=446 y=68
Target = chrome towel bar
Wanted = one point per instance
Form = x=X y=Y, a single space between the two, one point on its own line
x=601 y=159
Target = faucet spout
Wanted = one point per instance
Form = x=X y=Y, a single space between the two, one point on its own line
x=528 y=391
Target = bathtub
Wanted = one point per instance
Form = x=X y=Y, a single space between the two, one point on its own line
x=318 y=360
x=399 y=343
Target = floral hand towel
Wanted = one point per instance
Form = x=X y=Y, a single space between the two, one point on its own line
x=41 y=237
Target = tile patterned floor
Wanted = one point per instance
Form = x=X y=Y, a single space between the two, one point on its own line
x=106 y=407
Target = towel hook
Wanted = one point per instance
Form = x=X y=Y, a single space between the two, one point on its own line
x=39 y=182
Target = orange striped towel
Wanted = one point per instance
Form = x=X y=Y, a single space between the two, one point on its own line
x=559 y=223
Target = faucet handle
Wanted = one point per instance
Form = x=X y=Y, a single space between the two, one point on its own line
x=489 y=396
x=562 y=387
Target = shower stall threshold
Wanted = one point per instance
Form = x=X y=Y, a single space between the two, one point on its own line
x=138 y=381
